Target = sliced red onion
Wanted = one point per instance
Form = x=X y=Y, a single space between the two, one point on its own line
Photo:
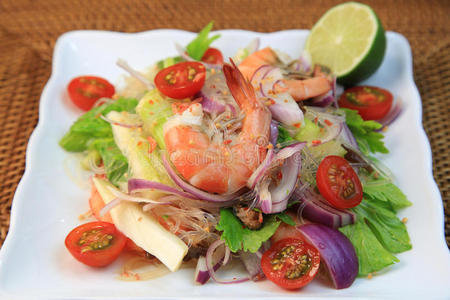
x=201 y=275
x=336 y=252
x=210 y=267
x=120 y=123
x=216 y=96
x=274 y=198
x=266 y=80
x=273 y=132
x=185 y=56
x=124 y=65
x=202 y=195
x=142 y=184
x=126 y=197
x=322 y=100
x=347 y=136
x=282 y=192
x=316 y=209
x=252 y=263
x=261 y=170
x=110 y=205
x=392 y=115
x=305 y=62
x=265 y=198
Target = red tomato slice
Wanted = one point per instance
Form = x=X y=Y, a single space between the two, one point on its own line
x=338 y=182
x=372 y=103
x=84 y=91
x=95 y=244
x=213 y=56
x=181 y=80
x=291 y=263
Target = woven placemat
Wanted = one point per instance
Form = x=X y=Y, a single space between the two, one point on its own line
x=29 y=29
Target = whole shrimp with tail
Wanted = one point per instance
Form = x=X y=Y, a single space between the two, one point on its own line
x=213 y=164
x=317 y=85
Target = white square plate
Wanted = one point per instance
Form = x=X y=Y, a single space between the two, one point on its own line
x=35 y=264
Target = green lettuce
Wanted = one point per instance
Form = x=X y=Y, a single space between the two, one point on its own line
x=200 y=44
x=364 y=131
x=116 y=165
x=90 y=126
x=238 y=237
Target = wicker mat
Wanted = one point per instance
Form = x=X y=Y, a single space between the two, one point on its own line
x=29 y=29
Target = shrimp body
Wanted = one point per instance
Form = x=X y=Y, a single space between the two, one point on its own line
x=213 y=164
x=318 y=85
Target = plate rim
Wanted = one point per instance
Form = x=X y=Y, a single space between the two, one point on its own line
x=67 y=36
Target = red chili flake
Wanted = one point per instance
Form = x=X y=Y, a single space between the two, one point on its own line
x=151 y=101
x=226 y=142
x=298 y=125
x=328 y=122
x=316 y=119
x=260 y=218
x=151 y=113
x=280 y=175
x=139 y=143
x=213 y=86
x=316 y=142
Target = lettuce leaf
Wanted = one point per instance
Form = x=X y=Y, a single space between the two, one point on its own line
x=200 y=44
x=283 y=136
x=364 y=131
x=238 y=237
x=90 y=126
x=116 y=165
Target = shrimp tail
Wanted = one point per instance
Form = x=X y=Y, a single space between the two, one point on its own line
x=240 y=88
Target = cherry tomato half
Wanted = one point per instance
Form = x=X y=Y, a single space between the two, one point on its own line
x=291 y=263
x=372 y=103
x=84 y=91
x=213 y=56
x=181 y=80
x=95 y=244
x=338 y=183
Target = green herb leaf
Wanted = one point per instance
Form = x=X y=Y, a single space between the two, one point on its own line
x=285 y=218
x=200 y=44
x=368 y=140
x=90 y=126
x=238 y=237
x=372 y=256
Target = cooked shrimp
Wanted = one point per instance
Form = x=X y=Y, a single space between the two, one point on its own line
x=258 y=58
x=299 y=89
x=213 y=164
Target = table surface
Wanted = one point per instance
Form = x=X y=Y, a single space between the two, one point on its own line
x=29 y=29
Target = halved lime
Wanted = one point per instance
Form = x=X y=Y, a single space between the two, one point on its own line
x=350 y=40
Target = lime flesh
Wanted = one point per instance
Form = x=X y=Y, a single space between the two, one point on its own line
x=350 y=40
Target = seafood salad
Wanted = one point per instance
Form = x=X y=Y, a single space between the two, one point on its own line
x=258 y=159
